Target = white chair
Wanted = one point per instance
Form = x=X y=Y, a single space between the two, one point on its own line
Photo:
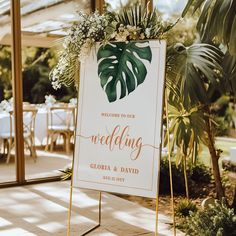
x=61 y=122
x=28 y=133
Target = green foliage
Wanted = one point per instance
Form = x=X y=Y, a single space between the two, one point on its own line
x=183 y=32
x=216 y=220
x=184 y=207
x=223 y=112
x=200 y=173
x=144 y=19
x=197 y=175
x=37 y=63
x=5 y=72
x=131 y=23
x=217 y=21
x=66 y=174
x=229 y=69
x=195 y=69
x=225 y=179
x=113 y=60
x=178 y=178
x=187 y=128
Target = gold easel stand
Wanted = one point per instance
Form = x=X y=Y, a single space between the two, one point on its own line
x=70 y=208
x=157 y=197
x=169 y=160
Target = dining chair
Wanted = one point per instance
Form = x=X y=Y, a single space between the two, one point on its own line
x=60 y=123
x=29 y=115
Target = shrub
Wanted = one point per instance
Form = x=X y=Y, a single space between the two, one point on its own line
x=197 y=175
x=216 y=220
x=178 y=178
x=184 y=207
x=200 y=173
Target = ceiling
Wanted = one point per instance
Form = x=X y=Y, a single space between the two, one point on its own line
x=42 y=22
x=45 y=21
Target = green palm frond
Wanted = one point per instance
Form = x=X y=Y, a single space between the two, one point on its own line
x=66 y=174
x=186 y=126
x=140 y=16
x=194 y=4
x=194 y=68
x=229 y=67
x=217 y=21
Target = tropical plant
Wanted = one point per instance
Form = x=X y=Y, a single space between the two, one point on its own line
x=135 y=23
x=184 y=207
x=215 y=28
x=216 y=220
x=191 y=73
x=217 y=21
x=195 y=74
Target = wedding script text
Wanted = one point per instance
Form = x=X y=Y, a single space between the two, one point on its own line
x=120 y=138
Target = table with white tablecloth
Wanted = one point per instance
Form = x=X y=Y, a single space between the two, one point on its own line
x=41 y=122
x=40 y=126
x=4 y=125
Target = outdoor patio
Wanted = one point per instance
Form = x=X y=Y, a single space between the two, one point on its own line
x=41 y=210
x=47 y=164
x=134 y=100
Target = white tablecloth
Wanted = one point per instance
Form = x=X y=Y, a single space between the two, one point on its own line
x=4 y=125
x=41 y=127
x=40 y=124
x=4 y=122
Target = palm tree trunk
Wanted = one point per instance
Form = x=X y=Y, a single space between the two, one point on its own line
x=186 y=178
x=214 y=157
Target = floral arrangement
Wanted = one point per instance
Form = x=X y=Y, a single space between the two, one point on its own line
x=49 y=100
x=6 y=105
x=73 y=102
x=134 y=23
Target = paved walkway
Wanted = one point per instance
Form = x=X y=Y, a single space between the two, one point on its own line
x=42 y=210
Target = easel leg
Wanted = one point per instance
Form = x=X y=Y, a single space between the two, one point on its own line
x=157 y=205
x=69 y=210
x=169 y=160
x=99 y=214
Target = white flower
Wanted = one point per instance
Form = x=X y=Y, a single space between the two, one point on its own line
x=49 y=99
x=56 y=85
x=85 y=49
x=73 y=101
x=147 y=32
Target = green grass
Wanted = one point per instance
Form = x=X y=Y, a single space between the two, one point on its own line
x=221 y=143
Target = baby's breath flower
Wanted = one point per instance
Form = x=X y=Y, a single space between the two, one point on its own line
x=100 y=28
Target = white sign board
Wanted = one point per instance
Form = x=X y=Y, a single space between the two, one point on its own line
x=119 y=118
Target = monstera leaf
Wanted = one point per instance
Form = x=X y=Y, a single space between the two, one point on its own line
x=121 y=67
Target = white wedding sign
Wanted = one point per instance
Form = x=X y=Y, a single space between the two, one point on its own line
x=118 y=135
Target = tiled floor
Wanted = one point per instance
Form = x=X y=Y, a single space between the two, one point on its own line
x=42 y=210
x=46 y=165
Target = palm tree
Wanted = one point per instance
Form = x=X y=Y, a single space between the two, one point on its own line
x=200 y=71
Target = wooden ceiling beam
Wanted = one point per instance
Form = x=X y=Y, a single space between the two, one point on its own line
x=51 y=13
x=33 y=40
